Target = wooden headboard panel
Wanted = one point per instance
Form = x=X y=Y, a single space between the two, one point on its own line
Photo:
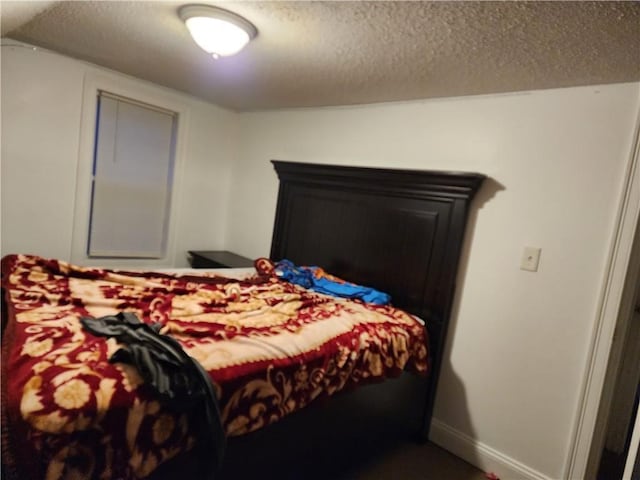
x=399 y=231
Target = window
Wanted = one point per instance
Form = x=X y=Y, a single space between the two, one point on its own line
x=132 y=179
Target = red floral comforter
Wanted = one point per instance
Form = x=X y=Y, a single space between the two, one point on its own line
x=270 y=347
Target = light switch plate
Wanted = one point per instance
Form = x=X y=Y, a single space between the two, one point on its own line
x=530 y=259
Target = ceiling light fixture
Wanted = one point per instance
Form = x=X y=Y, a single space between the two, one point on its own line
x=217 y=31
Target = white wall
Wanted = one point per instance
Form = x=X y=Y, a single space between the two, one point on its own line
x=46 y=120
x=519 y=340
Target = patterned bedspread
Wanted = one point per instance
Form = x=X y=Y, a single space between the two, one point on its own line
x=269 y=346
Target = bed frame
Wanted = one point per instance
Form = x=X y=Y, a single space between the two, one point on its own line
x=399 y=231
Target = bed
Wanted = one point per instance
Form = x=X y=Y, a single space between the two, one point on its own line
x=69 y=413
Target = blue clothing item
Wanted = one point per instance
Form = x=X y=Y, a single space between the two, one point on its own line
x=304 y=276
x=290 y=272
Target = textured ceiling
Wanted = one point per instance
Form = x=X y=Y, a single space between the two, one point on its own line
x=340 y=53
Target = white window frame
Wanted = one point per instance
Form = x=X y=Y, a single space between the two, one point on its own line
x=137 y=90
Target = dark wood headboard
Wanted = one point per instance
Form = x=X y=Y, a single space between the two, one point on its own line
x=399 y=231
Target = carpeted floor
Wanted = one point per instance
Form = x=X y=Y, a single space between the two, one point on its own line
x=405 y=461
x=412 y=461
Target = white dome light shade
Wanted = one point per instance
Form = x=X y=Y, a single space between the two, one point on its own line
x=218 y=32
x=217 y=36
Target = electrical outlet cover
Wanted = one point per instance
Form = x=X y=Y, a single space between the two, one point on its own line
x=530 y=259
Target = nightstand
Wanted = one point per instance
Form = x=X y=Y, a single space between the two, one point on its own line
x=217 y=259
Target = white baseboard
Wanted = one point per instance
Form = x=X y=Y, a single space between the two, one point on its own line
x=482 y=456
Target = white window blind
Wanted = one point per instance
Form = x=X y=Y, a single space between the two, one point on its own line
x=132 y=178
